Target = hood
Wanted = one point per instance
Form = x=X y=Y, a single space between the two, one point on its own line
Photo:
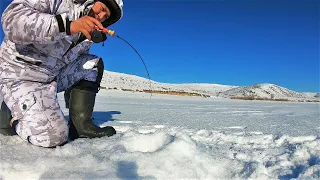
x=116 y=9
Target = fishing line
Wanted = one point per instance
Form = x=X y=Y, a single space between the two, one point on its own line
x=99 y=35
x=141 y=60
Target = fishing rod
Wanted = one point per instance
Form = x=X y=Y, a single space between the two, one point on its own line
x=100 y=36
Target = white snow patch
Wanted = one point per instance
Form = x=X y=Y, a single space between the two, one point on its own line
x=235 y=127
x=122 y=129
x=125 y=122
x=159 y=126
x=145 y=142
x=146 y=131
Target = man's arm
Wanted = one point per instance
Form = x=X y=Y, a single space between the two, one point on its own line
x=30 y=21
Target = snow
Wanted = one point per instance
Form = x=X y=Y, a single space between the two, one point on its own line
x=173 y=137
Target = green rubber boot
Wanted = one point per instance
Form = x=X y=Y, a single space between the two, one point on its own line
x=81 y=106
x=5 y=117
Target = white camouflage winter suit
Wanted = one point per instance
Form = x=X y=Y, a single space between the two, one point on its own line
x=36 y=63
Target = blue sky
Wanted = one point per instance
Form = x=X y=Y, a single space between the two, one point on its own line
x=232 y=42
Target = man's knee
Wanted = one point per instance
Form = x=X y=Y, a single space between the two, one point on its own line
x=93 y=86
x=51 y=135
x=50 y=138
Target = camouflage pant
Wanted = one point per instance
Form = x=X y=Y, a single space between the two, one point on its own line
x=34 y=104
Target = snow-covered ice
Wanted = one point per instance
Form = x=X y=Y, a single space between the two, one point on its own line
x=172 y=137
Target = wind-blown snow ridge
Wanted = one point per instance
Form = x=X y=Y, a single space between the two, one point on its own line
x=114 y=80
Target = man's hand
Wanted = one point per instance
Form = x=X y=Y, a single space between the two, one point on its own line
x=85 y=25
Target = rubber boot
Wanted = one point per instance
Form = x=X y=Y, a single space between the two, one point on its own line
x=5 y=117
x=67 y=97
x=80 y=112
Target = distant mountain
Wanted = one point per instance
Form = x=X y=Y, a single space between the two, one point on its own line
x=271 y=91
x=312 y=95
x=114 y=80
x=120 y=81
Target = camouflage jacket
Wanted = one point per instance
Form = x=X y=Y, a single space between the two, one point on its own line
x=36 y=32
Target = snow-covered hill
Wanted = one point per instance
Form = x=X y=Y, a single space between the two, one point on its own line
x=114 y=80
x=312 y=95
x=271 y=91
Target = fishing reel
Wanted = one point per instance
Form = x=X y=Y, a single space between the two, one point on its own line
x=98 y=36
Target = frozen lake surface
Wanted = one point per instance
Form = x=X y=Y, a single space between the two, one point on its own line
x=290 y=118
x=172 y=137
